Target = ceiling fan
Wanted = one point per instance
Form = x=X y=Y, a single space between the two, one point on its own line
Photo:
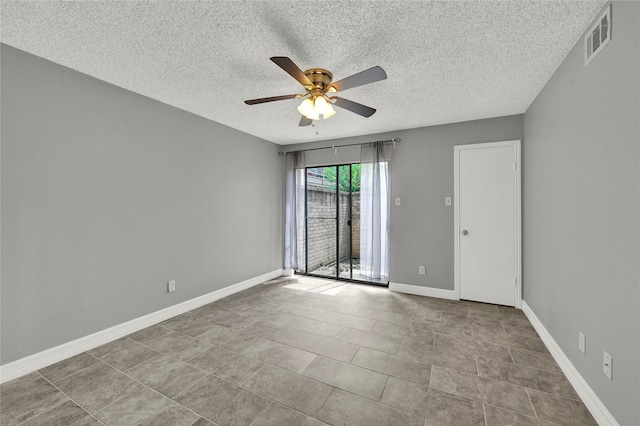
x=317 y=83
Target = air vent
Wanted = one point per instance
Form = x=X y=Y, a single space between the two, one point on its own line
x=598 y=36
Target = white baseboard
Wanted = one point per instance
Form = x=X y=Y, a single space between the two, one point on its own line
x=422 y=291
x=588 y=396
x=50 y=356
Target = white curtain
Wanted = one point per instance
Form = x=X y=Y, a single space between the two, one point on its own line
x=375 y=210
x=294 y=212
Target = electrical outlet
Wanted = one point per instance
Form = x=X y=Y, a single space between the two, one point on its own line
x=421 y=270
x=171 y=286
x=582 y=343
x=447 y=201
x=607 y=365
x=398 y=201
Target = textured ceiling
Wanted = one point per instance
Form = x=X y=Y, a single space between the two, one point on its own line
x=446 y=61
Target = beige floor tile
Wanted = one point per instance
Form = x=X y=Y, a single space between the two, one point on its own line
x=179 y=346
x=419 y=326
x=332 y=348
x=337 y=318
x=146 y=407
x=511 y=340
x=26 y=397
x=222 y=402
x=65 y=414
x=345 y=376
x=278 y=415
x=496 y=416
x=390 y=317
x=534 y=359
x=280 y=355
x=411 y=369
x=166 y=375
x=226 y=364
x=528 y=377
x=147 y=334
x=517 y=327
x=290 y=389
x=346 y=409
x=470 y=386
x=241 y=342
x=68 y=366
x=436 y=406
x=560 y=410
x=370 y=340
x=473 y=347
x=97 y=386
x=333 y=306
x=123 y=353
x=437 y=355
x=314 y=327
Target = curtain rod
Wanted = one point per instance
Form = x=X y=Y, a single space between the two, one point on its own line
x=394 y=140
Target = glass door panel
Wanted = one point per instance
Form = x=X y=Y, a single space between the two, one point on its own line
x=332 y=206
x=321 y=223
x=345 y=223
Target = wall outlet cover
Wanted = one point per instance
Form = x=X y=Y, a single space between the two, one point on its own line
x=582 y=343
x=171 y=286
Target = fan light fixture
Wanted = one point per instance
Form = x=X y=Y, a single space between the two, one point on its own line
x=317 y=83
x=316 y=106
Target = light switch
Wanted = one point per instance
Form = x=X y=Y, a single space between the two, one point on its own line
x=447 y=201
x=398 y=202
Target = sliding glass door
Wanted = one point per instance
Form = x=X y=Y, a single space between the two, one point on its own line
x=332 y=222
x=321 y=221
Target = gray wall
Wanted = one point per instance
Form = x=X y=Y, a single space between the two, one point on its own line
x=422 y=175
x=107 y=194
x=581 y=211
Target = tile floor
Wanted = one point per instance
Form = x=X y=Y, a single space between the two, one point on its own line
x=303 y=352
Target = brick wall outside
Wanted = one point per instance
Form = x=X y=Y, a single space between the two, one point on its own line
x=321 y=225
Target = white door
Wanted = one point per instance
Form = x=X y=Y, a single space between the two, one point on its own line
x=487 y=222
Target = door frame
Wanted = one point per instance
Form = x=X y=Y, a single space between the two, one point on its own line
x=518 y=219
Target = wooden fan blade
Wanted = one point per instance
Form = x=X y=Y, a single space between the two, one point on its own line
x=293 y=70
x=359 y=109
x=364 y=77
x=271 y=99
x=304 y=121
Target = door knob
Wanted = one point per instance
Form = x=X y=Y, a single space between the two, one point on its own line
x=465 y=232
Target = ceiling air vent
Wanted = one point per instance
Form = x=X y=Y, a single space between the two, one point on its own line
x=598 y=36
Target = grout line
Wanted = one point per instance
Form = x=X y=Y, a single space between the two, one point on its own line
x=484 y=413
x=384 y=388
x=262 y=412
x=148 y=387
x=531 y=402
x=251 y=376
x=58 y=405
x=124 y=396
x=72 y=374
x=189 y=387
x=430 y=376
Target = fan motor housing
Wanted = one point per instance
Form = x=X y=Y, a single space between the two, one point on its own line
x=320 y=78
